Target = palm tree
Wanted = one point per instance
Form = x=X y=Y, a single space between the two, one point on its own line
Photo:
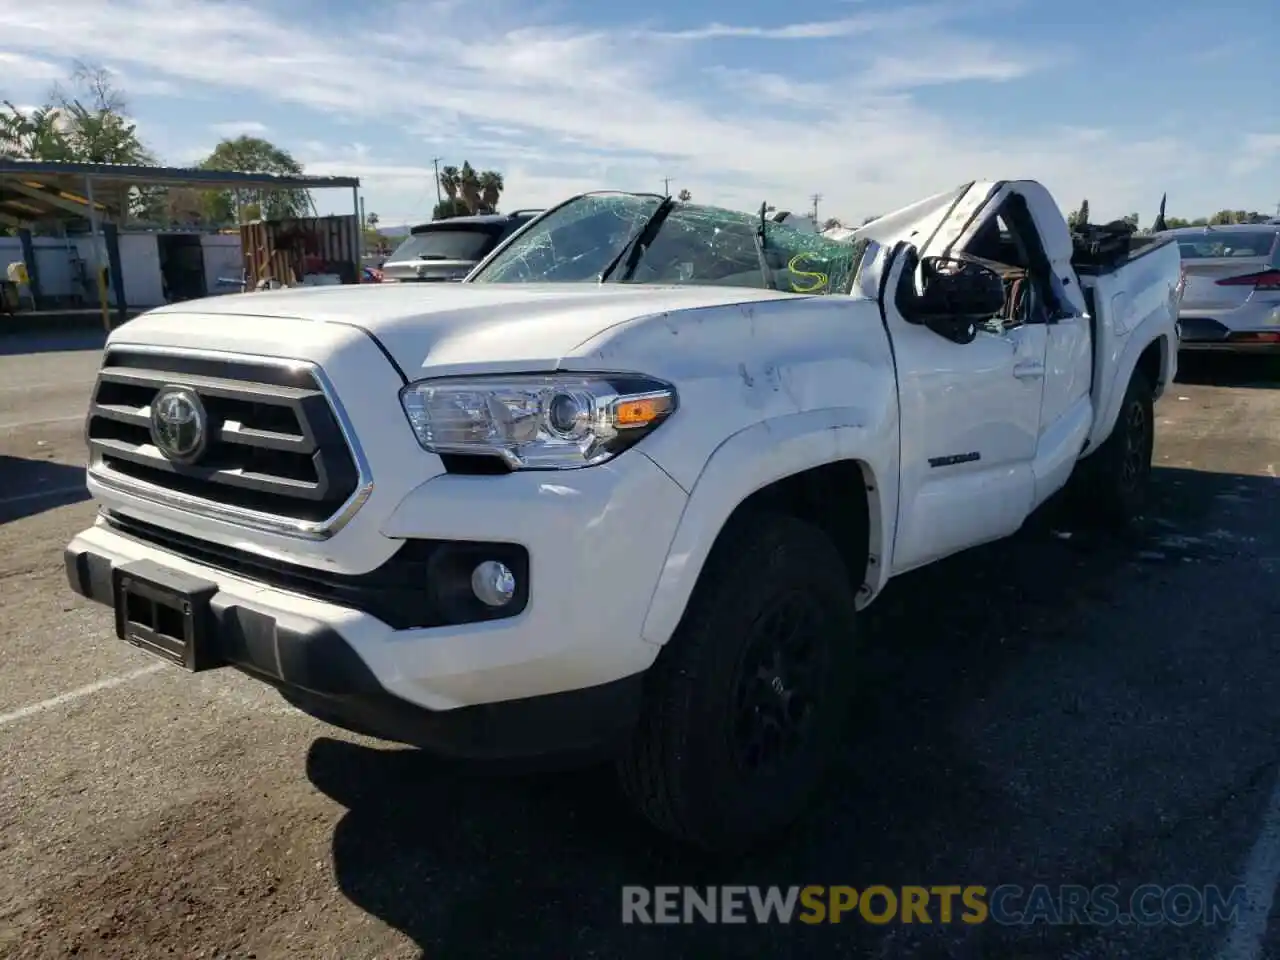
x=450 y=180
x=491 y=187
x=38 y=134
x=684 y=196
x=469 y=187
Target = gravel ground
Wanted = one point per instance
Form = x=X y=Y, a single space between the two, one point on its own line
x=1059 y=708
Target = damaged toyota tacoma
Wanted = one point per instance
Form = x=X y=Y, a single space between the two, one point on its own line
x=624 y=492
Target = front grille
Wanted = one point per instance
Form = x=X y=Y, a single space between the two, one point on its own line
x=275 y=446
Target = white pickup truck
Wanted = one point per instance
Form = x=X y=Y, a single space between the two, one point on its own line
x=625 y=490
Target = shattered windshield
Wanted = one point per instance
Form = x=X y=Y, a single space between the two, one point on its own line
x=693 y=245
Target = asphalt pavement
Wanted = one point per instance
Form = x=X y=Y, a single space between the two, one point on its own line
x=1061 y=708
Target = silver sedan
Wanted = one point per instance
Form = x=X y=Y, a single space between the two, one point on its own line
x=1231 y=300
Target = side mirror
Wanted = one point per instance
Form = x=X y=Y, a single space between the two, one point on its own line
x=956 y=296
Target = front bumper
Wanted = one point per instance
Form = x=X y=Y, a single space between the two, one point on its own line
x=314 y=666
x=560 y=676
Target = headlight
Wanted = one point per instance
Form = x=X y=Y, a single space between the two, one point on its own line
x=546 y=422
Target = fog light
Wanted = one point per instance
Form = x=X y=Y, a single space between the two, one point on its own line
x=493 y=583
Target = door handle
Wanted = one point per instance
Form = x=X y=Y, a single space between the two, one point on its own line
x=1029 y=370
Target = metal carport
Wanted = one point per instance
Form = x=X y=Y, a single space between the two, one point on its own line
x=36 y=193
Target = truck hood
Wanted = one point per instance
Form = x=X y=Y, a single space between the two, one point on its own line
x=456 y=328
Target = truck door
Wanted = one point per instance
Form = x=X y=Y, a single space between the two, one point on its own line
x=1041 y=244
x=969 y=421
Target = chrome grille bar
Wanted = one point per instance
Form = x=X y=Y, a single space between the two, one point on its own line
x=281 y=454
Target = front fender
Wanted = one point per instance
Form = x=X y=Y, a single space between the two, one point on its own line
x=759 y=455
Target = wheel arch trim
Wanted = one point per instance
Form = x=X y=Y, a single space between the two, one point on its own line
x=758 y=456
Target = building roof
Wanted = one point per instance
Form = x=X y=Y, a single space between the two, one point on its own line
x=35 y=190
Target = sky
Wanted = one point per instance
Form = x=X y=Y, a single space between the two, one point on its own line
x=871 y=105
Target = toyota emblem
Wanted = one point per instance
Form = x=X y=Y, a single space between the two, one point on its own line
x=179 y=425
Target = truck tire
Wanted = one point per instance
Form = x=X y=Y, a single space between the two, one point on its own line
x=1111 y=487
x=745 y=704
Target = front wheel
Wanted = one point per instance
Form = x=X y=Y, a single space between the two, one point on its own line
x=745 y=704
x=1112 y=484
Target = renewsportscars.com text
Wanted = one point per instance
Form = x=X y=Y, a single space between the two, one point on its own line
x=1008 y=904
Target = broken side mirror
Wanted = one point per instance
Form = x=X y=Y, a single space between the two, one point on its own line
x=956 y=296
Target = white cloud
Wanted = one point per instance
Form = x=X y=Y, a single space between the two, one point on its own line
x=18 y=68
x=239 y=128
x=771 y=88
x=936 y=60
x=911 y=17
x=560 y=108
x=189 y=156
x=146 y=86
x=168 y=149
x=1257 y=151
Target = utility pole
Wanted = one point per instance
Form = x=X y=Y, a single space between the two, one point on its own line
x=435 y=164
x=666 y=186
x=815 y=198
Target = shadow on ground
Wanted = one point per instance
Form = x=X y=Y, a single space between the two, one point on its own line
x=29 y=487
x=1229 y=370
x=983 y=749
x=50 y=341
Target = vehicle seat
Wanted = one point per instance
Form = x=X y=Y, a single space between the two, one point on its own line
x=1017 y=290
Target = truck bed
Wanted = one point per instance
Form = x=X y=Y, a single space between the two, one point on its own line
x=1103 y=248
x=1122 y=285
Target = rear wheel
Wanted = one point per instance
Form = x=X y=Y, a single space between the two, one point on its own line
x=1111 y=485
x=746 y=701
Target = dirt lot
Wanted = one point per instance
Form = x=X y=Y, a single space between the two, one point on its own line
x=1059 y=708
